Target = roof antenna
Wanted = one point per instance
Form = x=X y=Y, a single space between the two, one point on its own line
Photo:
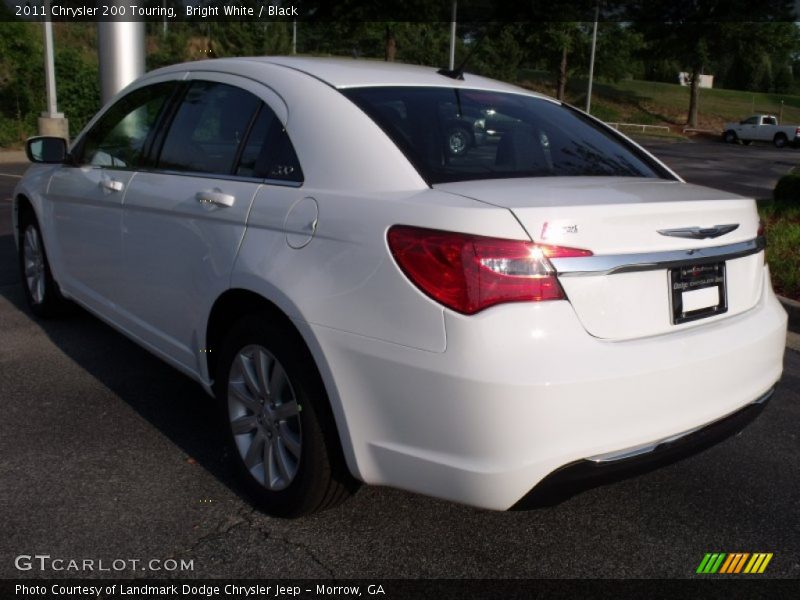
x=458 y=72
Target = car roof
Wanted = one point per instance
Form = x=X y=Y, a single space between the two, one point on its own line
x=344 y=73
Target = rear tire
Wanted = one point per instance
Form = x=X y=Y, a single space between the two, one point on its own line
x=730 y=137
x=41 y=290
x=459 y=141
x=780 y=140
x=279 y=427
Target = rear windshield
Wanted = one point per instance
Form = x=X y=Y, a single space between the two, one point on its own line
x=462 y=134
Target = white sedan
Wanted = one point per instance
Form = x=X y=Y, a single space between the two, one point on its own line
x=369 y=303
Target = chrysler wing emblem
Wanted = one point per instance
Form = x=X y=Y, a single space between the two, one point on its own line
x=699 y=233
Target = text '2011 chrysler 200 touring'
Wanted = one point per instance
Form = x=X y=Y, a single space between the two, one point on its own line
x=392 y=275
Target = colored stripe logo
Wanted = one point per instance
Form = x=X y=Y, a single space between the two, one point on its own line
x=734 y=563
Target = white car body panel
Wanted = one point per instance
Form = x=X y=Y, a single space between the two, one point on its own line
x=540 y=394
x=177 y=254
x=476 y=409
x=85 y=231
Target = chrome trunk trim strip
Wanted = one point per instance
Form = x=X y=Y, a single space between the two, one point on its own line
x=609 y=264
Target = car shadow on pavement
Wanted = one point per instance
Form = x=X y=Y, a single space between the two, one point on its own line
x=174 y=404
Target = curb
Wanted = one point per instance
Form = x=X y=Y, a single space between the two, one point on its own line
x=792 y=307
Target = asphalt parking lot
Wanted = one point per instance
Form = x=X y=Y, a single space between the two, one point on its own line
x=107 y=453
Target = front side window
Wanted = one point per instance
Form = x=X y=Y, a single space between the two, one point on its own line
x=461 y=134
x=208 y=128
x=118 y=138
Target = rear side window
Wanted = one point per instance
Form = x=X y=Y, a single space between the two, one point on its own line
x=268 y=152
x=117 y=140
x=461 y=134
x=208 y=128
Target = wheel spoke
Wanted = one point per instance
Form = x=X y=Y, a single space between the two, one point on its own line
x=290 y=440
x=240 y=393
x=34 y=240
x=262 y=362
x=281 y=460
x=249 y=375
x=254 y=452
x=244 y=424
x=285 y=410
x=269 y=464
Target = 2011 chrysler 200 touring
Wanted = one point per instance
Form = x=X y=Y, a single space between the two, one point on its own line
x=385 y=274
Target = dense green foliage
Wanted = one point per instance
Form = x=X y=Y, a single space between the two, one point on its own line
x=787 y=191
x=781 y=218
x=757 y=56
x=782 y=227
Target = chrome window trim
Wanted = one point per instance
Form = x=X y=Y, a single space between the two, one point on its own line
x=609 y=264
x=224 y=177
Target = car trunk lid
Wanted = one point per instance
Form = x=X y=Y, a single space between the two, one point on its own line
x=660 y=247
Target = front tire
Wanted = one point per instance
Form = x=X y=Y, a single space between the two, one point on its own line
x=278 y=424
x=41 y=290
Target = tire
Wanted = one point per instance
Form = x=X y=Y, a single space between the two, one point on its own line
x=279 y=427
x=730 y=137
x=459 y=141
x=747 y=142
x=780 y=140
x=41 y=290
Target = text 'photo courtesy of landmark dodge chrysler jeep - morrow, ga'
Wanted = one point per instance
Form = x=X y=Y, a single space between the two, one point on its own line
x=372 y=300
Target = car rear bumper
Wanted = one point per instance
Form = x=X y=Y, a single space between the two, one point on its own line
x=522 y=390
x=591 y=472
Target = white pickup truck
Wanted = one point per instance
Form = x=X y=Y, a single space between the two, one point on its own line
x=762 y=128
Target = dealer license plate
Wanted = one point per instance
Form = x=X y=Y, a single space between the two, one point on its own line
x=697 y=292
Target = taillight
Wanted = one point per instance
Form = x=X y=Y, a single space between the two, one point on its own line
x=469 y=272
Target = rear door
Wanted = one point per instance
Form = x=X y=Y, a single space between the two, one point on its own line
x=184 y=220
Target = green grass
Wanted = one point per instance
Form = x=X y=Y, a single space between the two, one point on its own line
x=781 y=220
x=657 y=103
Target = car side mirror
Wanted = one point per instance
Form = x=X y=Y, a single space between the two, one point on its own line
x=46 y=149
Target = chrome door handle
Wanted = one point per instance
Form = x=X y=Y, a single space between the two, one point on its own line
x=111 y=185
x=215 y=197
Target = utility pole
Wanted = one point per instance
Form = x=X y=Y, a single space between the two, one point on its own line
x=51 y=122
x=452 y=62
x=294 y=36
x=591 y=60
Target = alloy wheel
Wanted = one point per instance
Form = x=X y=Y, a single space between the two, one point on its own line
x=33 y=264
x=264 y=417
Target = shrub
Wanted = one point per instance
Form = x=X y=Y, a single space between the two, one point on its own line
x=787 y=190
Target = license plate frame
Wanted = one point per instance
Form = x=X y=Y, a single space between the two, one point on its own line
x=693 y=277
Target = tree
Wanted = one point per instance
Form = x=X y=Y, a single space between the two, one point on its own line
x=551 y=44
x=693 y=33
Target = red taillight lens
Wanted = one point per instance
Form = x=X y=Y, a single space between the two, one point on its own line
x=469 y=272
